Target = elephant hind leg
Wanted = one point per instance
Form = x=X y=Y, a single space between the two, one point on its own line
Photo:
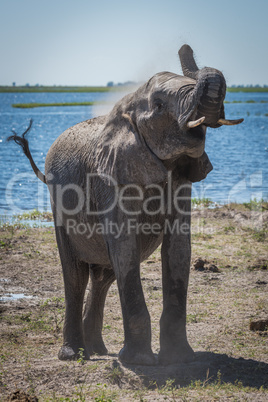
x=75 y=275
x=101 y=280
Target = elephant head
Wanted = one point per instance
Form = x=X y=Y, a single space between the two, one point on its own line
x=165 y=119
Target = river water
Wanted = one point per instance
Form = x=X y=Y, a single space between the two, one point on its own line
x=239 y=154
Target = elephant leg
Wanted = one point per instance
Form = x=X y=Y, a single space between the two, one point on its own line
x=75 y=275
x=93 y=314
x=174 y=347
x=176 y=256
x=136 y=318
x=125 y=258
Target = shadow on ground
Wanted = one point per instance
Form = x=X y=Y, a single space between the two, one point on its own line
x=207 y=366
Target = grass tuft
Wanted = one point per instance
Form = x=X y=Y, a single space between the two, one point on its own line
x=201 y=202
x=255 y=205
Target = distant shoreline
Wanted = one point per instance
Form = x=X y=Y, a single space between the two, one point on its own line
x=59 y=89
x=34 y=104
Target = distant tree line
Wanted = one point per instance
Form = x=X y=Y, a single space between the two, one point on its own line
x=133 y=83
x=249 y=86
x=26 y=85
x=119 y=84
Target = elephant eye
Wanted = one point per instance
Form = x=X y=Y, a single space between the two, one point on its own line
x=158 y=104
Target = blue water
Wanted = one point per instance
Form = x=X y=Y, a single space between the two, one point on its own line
x=239 y=154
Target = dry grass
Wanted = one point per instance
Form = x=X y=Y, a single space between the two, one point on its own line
x=231 y=361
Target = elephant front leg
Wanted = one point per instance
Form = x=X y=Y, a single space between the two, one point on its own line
x=174 y=347
x=176 y=256
x=125 y=257
x=137 y=324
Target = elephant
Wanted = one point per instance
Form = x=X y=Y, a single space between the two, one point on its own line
x=120 y=186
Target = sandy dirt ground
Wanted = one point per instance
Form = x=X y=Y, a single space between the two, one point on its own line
x=226 y=319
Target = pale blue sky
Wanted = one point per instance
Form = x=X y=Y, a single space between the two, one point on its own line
x=91 y=42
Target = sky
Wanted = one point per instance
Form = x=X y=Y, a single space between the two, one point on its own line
x=92 y=42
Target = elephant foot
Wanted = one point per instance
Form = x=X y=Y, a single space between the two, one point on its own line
x=137 y=356
x=183 y=354
x=68 y=353
x=97 y=348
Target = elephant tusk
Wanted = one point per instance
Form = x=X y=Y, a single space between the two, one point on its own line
x=195 y=123
x=229 y=122
x=127 y=117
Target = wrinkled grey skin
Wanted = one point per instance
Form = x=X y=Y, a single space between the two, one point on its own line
x=143 y=138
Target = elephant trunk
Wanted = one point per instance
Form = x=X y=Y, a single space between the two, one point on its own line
x=209 y=96
x=209 y=92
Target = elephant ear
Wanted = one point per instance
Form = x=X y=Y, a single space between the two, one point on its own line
x=123 y=157
x=198 y=168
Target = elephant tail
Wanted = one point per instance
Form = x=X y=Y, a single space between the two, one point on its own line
x=23 y=142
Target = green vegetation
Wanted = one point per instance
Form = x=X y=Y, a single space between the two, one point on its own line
x=201 y=202
x=48 y=318
x=32 y=105
x=247 y=89
x=55 y=89
x=247 y=101
x=35 y=215
x=255 y=205
x=19 y=222
x=199 y=389
x=101 y=89
x=60 y=89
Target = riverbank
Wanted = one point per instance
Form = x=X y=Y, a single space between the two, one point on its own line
x=34 y=105
x=61 y=89
x=227 y=295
